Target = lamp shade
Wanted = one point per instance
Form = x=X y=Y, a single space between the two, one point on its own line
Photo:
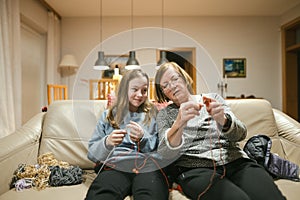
x=68 y=61
x=100 y=63
x=163 y=59
x=132 y=62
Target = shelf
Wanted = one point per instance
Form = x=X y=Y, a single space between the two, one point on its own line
x=295 y=47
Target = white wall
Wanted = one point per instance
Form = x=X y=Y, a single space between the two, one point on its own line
x=255 y=38
x=290 y=15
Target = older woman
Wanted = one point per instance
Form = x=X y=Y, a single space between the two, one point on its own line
x=201 y=136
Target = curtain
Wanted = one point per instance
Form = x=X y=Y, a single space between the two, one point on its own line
x=53 y=49
x=10 y=67
x=10 y=63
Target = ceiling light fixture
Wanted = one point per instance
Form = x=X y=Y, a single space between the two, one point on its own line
x=100 y=63
x=132 y=62
x=163 y=58
x=162 y=53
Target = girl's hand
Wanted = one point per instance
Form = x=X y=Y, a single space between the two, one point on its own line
x=115 y=138
x=136 y=131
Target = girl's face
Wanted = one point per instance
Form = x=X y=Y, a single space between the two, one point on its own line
x=137 y=92
x=174 y=87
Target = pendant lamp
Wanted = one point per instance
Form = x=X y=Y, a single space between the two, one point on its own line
x=100 y=63
x=163 y=59
x=132 y=62
x=163 y=54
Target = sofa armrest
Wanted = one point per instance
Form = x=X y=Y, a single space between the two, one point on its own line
x=289 y=133
x=19 y=147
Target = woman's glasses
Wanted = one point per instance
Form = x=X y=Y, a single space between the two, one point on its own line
x=166 y=87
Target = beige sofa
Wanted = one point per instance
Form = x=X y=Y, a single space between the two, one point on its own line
x=67 y=126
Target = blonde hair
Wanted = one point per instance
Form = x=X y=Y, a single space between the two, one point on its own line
x=159 y=95
x=120 y=108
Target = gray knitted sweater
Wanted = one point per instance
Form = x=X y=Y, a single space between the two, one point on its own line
x=203 y=139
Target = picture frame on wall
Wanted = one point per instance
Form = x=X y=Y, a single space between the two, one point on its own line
x=113 y=61
x=234 y=67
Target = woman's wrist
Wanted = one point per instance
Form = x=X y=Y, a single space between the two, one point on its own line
x=228 y=122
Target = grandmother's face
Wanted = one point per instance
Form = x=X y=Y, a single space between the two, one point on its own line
x=174 y=87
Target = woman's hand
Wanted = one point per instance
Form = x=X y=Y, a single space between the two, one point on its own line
x=136 y=131
x=115 y=138
x=215 y=109
x=187 y=111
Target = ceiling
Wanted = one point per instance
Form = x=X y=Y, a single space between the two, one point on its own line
x=83 y=8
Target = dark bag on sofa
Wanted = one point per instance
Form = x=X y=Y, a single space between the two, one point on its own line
x=258 y=148
x=65 y=176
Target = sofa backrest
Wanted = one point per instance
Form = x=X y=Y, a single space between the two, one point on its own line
x=258 y=116
x=67 y=128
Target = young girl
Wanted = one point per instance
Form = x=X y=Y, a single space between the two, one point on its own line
x=124 y=146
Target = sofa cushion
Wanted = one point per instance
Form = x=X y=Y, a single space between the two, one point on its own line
x=289 y=133
x=257 y=115
x=19 y=147
x=61 y=192
x=67 y=128
x=289 y=188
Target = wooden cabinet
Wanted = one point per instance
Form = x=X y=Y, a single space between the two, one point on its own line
x=291 y=68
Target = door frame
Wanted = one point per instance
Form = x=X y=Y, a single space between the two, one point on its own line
x=289 y=58
x=191 y=65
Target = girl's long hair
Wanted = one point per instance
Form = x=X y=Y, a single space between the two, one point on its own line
x=120 y=108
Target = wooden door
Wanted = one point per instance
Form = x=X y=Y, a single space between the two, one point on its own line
x=290 y=68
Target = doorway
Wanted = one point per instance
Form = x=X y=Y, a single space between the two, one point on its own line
x=298 y=83
x=33 y=46
x=185 y=58
x=290 y=68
